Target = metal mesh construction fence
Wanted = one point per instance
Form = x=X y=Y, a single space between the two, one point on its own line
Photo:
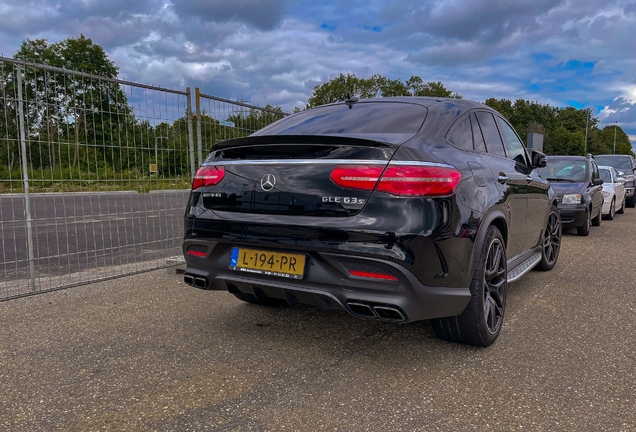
x=221 y=119
x=94 y=174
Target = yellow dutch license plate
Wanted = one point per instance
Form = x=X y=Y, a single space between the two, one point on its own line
x=268 y=263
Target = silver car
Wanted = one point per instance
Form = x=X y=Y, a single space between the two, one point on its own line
x=613 y=191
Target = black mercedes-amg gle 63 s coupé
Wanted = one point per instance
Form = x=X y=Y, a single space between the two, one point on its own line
x=394 y=209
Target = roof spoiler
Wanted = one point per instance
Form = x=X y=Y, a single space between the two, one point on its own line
x=302 y=139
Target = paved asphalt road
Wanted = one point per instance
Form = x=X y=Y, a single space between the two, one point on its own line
x=76 y=232
x=150 y=353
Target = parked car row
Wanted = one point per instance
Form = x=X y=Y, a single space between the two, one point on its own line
x=588 y=191
x=392 y=209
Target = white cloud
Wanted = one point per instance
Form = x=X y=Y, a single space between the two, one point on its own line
x=276 y=52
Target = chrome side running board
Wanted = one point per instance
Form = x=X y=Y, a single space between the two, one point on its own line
x=524 y=267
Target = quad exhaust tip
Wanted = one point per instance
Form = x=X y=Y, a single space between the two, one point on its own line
x=389 y=313
x=386 y=313
x=195 y=281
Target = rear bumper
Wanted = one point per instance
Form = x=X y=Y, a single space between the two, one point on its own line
x=572 y=216
x=328 y=285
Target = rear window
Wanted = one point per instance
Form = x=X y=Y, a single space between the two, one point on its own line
x=393 y=122
x=620 y=163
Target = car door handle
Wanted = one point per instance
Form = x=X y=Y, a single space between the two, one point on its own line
x=503 y=179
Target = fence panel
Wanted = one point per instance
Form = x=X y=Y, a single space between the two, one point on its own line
x=94 y=177
x=222 y=119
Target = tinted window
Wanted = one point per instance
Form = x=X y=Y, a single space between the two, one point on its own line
x=494 y=145
x=621 y=163
x=565 y=170
x=374 y=119
x=462 y=135
x=478 y=138
x=516 y=150
x=606 y=175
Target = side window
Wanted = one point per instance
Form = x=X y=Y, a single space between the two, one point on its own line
x=516 y=150
x=478 y=138
x=461 y=135
x=491 y=134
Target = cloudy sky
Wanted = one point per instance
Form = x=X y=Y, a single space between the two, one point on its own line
x=579 y=52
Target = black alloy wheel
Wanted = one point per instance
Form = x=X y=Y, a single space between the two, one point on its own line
x=584 y=230
x=551 y=241
x=480 y=323
x=612 y=211
x=495 y=287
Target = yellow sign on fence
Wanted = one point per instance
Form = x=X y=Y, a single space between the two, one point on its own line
x=153 y=168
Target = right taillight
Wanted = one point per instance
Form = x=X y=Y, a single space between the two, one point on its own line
x=419 y=180
x=208 y=176
x=399 y=179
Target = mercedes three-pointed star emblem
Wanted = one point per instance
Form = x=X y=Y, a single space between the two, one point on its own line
x=268 y=182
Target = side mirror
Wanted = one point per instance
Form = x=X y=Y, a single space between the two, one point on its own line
x=597 y=182
x=620 y=180
x=538 y=159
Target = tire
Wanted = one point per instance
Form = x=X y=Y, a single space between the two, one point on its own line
x=612 y=212
x=584 y=230
x=598 y=219
x=481 y=321
x=622 y=209
x=631 y=203
x=551 y=241
x=250 y=298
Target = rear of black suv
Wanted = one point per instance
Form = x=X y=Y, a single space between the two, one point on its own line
x=343 y=207
x=360 y=222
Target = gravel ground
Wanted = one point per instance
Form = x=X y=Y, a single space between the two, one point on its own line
x=149 y=353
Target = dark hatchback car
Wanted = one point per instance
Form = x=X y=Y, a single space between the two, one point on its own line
x=578 y=185
x=626 y=165
x=397 y=209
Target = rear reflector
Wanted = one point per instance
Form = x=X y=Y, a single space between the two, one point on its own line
x=208 y=176
x=197 y=250
x=399 y=180
x=372 y=275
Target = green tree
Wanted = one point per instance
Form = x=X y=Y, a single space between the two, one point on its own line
x=502 y=106
x=623 y=145
x=66 y=108
x=432 y=89
x=336 y=90
x=563 y=142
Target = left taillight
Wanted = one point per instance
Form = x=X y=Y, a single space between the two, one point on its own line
x=208 y=176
